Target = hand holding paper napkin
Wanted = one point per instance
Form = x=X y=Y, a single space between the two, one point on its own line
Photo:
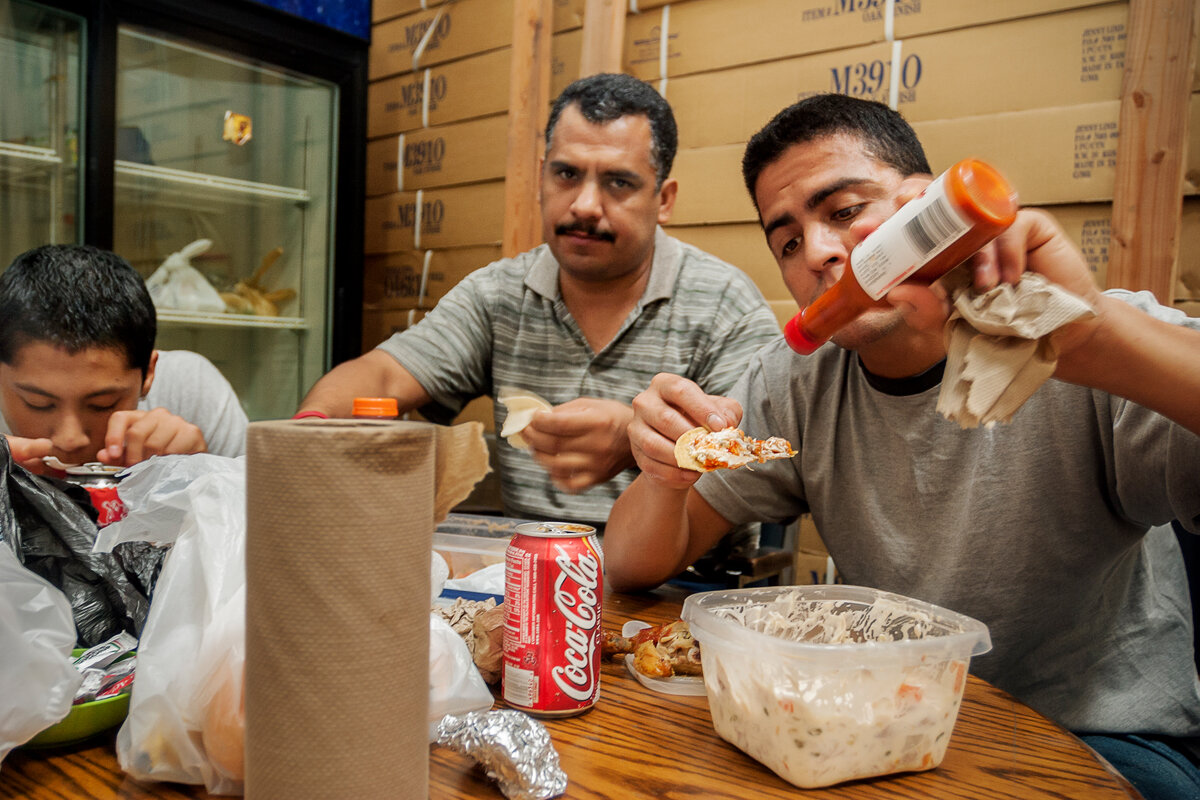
x=998 y=345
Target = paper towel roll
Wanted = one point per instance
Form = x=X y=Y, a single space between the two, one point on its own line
x=340 y=516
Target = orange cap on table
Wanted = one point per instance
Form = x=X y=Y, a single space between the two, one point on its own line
x=382 y=407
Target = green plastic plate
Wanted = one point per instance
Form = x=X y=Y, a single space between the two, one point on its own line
x=84 y=720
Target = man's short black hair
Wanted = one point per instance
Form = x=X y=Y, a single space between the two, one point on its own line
x=884 y=134
x=76 y=297
x=607 y=96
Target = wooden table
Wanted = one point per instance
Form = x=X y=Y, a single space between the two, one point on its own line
x=640 y=744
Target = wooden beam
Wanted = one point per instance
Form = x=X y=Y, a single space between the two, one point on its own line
x=528 y=108
x=603 y=37
x=1152 y=150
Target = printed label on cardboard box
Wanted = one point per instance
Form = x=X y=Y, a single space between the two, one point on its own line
x=450 y=31
x=455 y=216
x=1089 y=226
x=477 y=86
x=1065 y=59
x=420 y=278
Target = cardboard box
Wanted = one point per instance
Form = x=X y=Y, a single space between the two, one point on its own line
x=1089 y=226
x=1053 y=60
x=713 y=34
x=743 y=245
x=811 y=568
x=1189 y=307
x=567 y=13
x=1187 y=284
x=710 y=187
x=1066 y=154
x=386 y=9
x=808 y=538
x=784 y=310
x=380 y=323
x=704 y=35
x=463 y=152
x=470 y=87
x=917 y=17
x=456 y=216
x=420 y=278
x=449 y=31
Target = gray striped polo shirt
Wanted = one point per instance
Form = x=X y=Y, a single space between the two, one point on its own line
x=507 y=325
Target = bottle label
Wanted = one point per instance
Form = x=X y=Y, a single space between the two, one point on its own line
x=922 y=228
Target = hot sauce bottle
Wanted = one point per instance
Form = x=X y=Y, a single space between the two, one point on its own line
x=958 y=213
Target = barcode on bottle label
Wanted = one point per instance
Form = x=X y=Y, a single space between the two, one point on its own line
x=903 y=244
x=930 y=230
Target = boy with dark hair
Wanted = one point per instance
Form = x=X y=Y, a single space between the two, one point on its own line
x=1048 y=529
x=80 y=379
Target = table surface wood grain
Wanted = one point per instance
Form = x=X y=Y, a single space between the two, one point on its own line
x=639 y=744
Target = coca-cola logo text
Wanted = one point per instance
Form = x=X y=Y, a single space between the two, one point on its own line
x=577 y=598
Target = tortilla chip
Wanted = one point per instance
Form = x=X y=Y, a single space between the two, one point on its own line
x=683 y=456
x=521 y=406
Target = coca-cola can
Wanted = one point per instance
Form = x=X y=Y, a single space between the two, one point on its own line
x=100 y=480
x=553 y=588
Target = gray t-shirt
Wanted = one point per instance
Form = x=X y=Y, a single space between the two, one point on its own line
x=506 y=325
x=189 y=386
x=1039 y=528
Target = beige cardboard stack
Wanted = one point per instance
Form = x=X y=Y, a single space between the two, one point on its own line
x=438 y=143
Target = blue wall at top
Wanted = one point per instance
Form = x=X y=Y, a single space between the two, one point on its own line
x=350 y=16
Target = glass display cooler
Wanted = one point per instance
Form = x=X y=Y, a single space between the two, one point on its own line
x=216 y=145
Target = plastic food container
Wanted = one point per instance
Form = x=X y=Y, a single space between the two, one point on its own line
x=825 y=684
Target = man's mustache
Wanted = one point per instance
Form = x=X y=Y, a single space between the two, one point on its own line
x=586 y=230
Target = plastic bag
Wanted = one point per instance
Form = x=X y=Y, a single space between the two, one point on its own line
x=177 y=285
x=455 y=685
x=186 y=722
x=37 y=679
x=50 y=525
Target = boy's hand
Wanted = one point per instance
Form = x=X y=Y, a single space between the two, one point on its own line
x=30 y=452
x=134 y=436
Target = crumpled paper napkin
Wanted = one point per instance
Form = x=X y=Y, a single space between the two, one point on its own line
x=998 y=348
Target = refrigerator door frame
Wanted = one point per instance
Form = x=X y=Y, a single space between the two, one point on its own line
x=257 y=31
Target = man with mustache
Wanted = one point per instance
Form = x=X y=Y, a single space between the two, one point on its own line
x=584 y=320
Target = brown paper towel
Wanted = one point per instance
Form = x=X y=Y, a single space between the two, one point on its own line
x=998 y=346
x=340 y=517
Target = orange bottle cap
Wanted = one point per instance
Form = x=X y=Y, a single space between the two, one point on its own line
x=979 y=189
x=376 y=407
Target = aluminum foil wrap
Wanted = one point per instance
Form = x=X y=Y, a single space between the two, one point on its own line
x=514 y=748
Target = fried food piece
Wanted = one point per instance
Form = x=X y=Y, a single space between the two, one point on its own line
x=660 y=651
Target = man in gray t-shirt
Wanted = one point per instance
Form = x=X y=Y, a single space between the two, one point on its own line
x=1048 y=529
x=584 y=320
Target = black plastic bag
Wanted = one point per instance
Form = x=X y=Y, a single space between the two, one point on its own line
x=51 y=526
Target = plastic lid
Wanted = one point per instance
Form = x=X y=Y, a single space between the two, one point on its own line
x=376 y=407
x=797 y=339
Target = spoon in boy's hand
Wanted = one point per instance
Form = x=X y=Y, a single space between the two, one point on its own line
x=54 y=463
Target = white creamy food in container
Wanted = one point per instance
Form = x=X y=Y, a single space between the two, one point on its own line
x=825 y=684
